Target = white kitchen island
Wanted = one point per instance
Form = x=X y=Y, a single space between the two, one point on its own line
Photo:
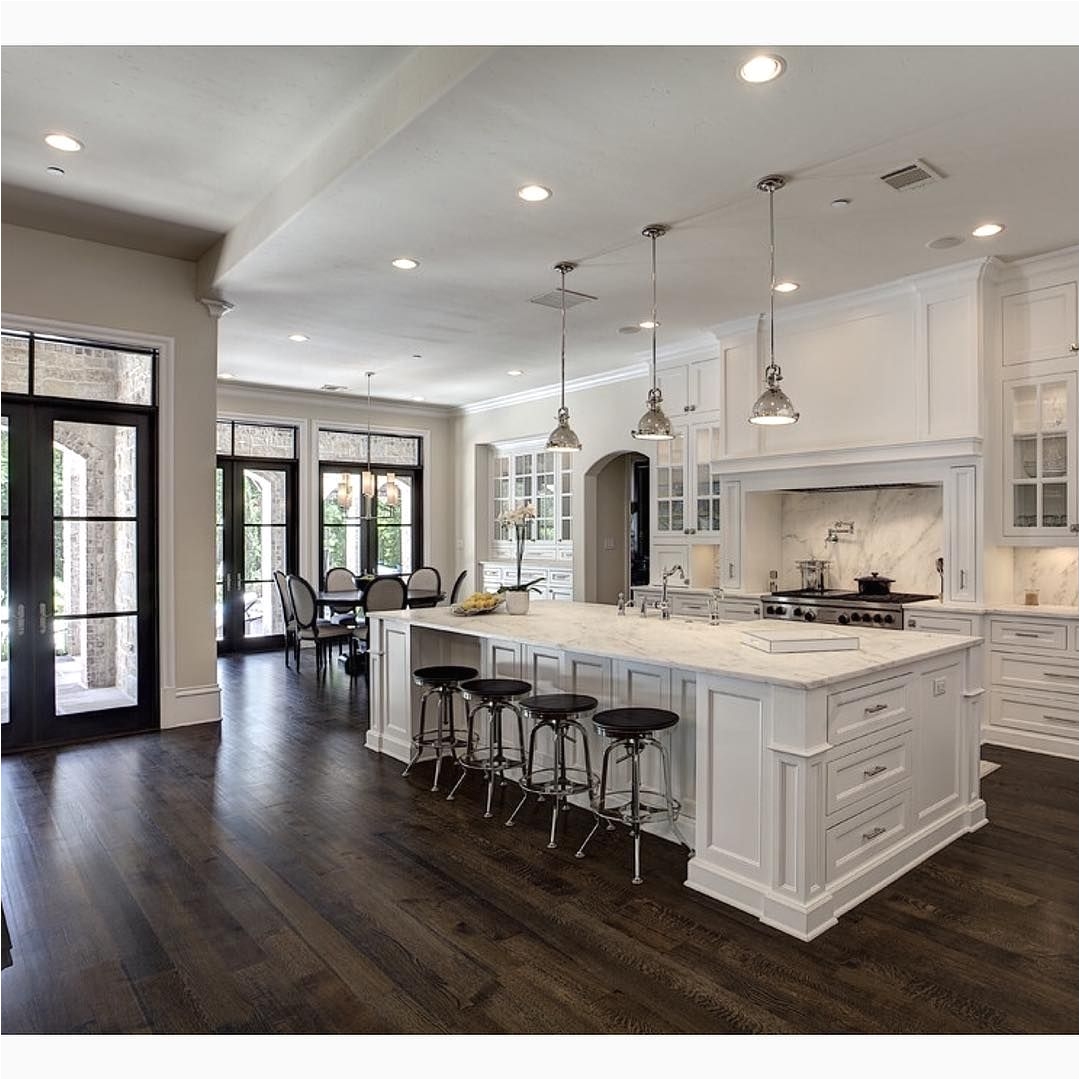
x=813 y=779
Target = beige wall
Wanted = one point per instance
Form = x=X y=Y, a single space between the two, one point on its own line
x=602 y=416
x=52 y=277
x=312 y=410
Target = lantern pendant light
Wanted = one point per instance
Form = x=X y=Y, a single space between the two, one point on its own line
x=367 y=478
x=773 y=407
x=654 y=425
x=393 y=492
x=563 y=440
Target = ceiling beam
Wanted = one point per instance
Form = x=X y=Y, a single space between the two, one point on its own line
x=416 y=84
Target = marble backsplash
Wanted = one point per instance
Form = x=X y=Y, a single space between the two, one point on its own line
x=898 y=532
x=1050 y=571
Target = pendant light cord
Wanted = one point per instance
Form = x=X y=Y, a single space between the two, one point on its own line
x=653 y=307
x=369 y=374
x=562 y=368
x=772 y=287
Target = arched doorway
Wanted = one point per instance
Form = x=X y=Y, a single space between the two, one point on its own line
x=616 y=533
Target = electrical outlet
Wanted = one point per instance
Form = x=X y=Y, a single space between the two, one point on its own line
x=939 y=687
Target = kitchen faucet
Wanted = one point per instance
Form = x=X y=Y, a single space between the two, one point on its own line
x=847 y=528
x=663 y=605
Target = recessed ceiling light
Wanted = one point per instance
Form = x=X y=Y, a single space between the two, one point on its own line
x=417 y=356
x=989 y=229
x=299 y=337
x=405 y=263
x=761 y=69
x=418 y=397
x=648 y=324
x=944 y=242
x=515 y=372
x=786 y=286
x=59 y=141
x=840 y=204
x=534 y=193
x=226 y=375
x=55 y=170
x=629 y=329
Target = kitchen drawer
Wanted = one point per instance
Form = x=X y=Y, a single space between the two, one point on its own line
x=740 y=612
x=851 y=843
x=560 y=592
x=1043 y=634
x=875 y=766
x=696 y=606
x=1074 y=637
x=863 y=709
x=1033 y=673
x=941 y=624
x=560 y=577
x=1023 y=713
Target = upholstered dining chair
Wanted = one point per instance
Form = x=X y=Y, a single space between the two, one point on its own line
x=386 y=593
x=455 y=592
x=341 y=579
x=309 y=627
x=425 y=577
x=287 y=613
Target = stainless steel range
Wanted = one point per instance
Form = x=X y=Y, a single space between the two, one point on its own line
x=882 y=610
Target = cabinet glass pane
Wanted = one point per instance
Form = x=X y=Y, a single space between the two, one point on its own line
x=663 y=517
x=702 y=515
x=702 y=479
x=716 y=515
x=1055 y=406
x=1025 y=410
x=1025 y=460
x=1054 y=455
x=677 y=515
x=1024 y=505
x=663 y=483
x=677 y=482
x=1054 y=514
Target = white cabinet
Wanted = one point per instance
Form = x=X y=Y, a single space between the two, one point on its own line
x=707 y=500
x=963 y=553
x=669 y=486
x=1039 y=444
x=687 y=486
x=731 y=519
x=691 y=388
x=1038 y=324
x=554 y=583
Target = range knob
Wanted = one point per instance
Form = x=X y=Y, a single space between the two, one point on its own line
x=797 y=612
x=877 y=618
x=770 y=609
x=888 y=618
x=810 y=616
x=843 y=620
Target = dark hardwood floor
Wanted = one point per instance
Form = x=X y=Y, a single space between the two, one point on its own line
x=273 y=875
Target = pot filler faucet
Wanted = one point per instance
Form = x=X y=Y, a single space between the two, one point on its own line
x=839 y=528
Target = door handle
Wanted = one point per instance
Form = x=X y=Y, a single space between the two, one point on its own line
x=963 y=579
x=20 y=620
x=43 y=618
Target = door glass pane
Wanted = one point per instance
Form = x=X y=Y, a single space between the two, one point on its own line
x=341 y=547
x=219 y=611
x=1024 y=496
x=5 y=570
x=93 y=470
x=264 y=440
x=219 y=545
x=92 y=373
x=264 y=497
x=15 y=365
x=394 y=527
x=96 y=664
x=94 y=567
x=1053 y=506
x=343 y=496
x=262 y=609
x=264 y=551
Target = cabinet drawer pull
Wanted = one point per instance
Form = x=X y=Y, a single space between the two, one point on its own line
x=872 y=710
x=1059 y=675
x=1025 y=633
x=873 y=834
x=874 y=771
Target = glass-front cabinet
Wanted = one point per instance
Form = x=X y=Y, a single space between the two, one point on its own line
x=1040 y=456
x=688 y=489
x=540 y=477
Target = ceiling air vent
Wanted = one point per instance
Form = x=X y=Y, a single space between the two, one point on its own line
x=554 y=298
x=332 y=386
x=912 y=177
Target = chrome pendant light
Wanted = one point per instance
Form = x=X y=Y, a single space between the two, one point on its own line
x=654 y=425
x=773 y=406
x=563 y=440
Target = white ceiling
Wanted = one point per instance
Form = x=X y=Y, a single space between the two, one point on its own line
x=324 y=164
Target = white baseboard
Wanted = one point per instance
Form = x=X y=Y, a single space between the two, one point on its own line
x=182 y=706
x=1032 y=741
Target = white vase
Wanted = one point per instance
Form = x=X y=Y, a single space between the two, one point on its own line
x=517 y=602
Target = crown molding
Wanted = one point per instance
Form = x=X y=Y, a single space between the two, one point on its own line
x=270 y=393
x=539 y=393
x=1050 y=262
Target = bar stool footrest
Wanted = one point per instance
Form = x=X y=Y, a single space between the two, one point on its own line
x=647 y=811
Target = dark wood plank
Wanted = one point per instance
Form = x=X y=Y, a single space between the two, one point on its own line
x=272 y=875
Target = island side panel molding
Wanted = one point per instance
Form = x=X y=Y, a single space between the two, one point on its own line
x=392 y=697
x=940 y=740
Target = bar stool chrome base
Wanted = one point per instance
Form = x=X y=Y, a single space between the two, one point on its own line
x=557 y=713
x=443 y=682
x=633 y=730
x=492 y=696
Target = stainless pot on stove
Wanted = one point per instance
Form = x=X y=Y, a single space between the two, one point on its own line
x=814 y=573
x=873 y=584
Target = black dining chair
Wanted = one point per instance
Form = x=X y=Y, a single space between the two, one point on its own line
x=428 y=578
x=309 y=627
x=386 y=593
x=455 y=592
x=287 y=612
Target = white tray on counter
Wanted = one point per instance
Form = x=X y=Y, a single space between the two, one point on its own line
x=790 y=639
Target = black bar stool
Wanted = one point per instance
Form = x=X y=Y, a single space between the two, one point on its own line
x=633 y=729
x=492 y=696
x=445 y=681
x=559 y=714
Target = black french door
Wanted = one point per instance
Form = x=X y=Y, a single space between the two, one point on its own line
x=79 y=644
x=256 y=535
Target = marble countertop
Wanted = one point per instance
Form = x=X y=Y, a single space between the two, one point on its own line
x=689 y=645
x=1043 y=611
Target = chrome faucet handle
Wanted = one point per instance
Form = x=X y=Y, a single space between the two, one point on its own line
x=644 y=606
x=622 y=604
x=665 y=609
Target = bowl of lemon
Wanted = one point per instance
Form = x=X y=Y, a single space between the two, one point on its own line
x=479 y=603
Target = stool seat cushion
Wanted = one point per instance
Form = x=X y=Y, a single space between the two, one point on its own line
x=444 y=674
x=497 y=688
x=633 y=720
x=545 y=705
